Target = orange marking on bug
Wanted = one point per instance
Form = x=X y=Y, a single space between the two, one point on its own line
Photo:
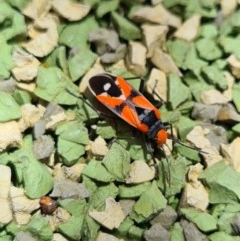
x=109 y=101
x=124 y=86
x=144 y=103
x=162 y=137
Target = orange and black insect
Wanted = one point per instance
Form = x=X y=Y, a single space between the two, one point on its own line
x=130 y=105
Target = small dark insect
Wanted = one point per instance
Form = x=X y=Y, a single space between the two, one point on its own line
x=47 y=205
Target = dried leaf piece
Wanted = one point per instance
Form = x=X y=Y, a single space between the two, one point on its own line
x=232 y=152
x=22 y=205
x=164 y=62
x=157 y=84
x=111 y=217
x=228 y=114
x=136 y=58
x=44 y=36
x=70 y=10
x=10 y=135
x=154 y=36
x=189 y=29
x=198 y=137
x=157 y=14
x=195 y=194
x=26 y=66
x=36 y=8
x=107 y=237
x=30 y=115
x=140 y=172
x=213 y=96
x=234 y=63
x=230 y=83
x=5 y=183
x=228 y=7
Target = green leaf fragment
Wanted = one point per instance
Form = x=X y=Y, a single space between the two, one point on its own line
x=149 y=203
x=5 y=237
x=236 y=128
x=231 y=45
x=222 y=181
x=73 y=227
x=73 y=131
x=6 y=61
x=28 y=168
x=133 y=191
x=196 y=84
x=215 y=77
x=73 y=137
x=185 y=125
x=204 y=221
x=125 y=226
x=12 y=23
x=225 y=222
x=193 y=62
x=222 y=236
x=178 y=50
x=177 y=233
x=106 y=6
x=19 y=4
x=22 y=97
x=135 y=233
x=92 y=3
x=39 y=226
x=97 y=200
x=52 y=85
x=178 y=92
x=81 y=29
x=58 y=58
x=10 y=110
x=204 y=8
x=208 y=49
x=80 y=62
x=209 y=31
x=97 y=171
x=189 y=153
x=90 y=229
x=117 y=162
x=126 y=29
x=106 y=129
x=70 y=151
x=177 y=169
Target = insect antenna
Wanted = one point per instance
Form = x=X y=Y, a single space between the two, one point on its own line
x=176 y=140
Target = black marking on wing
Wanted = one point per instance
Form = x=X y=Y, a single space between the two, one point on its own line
x=98 y=82
x=146 y=116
